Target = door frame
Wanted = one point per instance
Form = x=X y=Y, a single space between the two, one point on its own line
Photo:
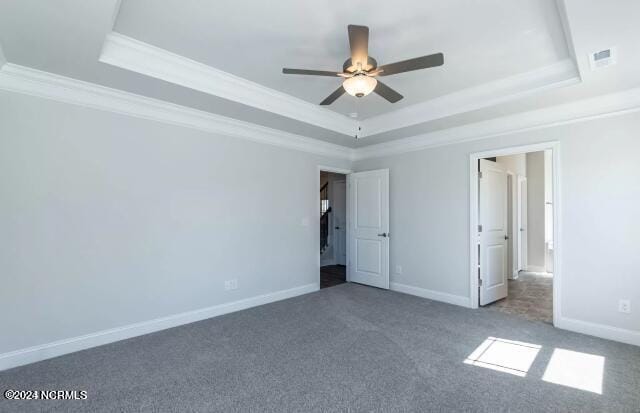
x=554 y=146
x=316 y=221
x=332 y=230
x=511 y=211
x=522 y=240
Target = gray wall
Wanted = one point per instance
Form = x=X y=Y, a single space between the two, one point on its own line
x=535 y=211
x=108 y=220
x=600 y=193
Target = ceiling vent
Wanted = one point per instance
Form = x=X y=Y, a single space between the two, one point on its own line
x=602 y=58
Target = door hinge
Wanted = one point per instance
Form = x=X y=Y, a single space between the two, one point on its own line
x=480 y=174
x=479 y=228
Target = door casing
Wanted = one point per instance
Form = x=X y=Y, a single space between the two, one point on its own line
x=521 y=223
x=340 y=236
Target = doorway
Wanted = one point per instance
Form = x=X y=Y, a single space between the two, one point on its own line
x=513 y=239
x=353 y=216
x=333 y=228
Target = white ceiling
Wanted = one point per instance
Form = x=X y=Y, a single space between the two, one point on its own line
x=490 y=40
x=485 y=45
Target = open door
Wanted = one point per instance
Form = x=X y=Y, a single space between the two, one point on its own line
x=492 y=232
x=369 y=228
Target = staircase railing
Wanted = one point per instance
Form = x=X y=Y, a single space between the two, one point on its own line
x=325 y=209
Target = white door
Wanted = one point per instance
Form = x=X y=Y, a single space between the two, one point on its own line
x=369 y=228
x=340 y=221
x=522 y=223
x=493 y=232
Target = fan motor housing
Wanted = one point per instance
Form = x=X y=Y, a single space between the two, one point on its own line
x=350 y=68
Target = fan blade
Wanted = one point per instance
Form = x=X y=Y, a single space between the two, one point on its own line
x=287 y=71
x=387 y=93
x=332 y=97
x=417 y=63
x=359 y=44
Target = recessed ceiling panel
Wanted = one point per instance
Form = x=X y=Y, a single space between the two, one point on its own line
x=481 y=41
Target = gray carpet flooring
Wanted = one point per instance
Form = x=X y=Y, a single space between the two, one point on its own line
x=345 y=348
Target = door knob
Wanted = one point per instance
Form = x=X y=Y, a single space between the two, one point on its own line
x=384 y=235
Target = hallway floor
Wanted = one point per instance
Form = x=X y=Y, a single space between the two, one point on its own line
x=332 y=275
x=530 y=296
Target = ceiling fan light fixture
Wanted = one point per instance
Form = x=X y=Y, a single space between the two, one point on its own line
x=359 y=85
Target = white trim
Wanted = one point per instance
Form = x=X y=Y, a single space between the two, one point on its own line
x=430 y=294
x=557 y=222
x=599 y=330
x=70 y=345
x=523 y=219
x=563 y=73
x=334 y=170
x=536 y=268
x=131 y=54
x=582 y=110
x=33 y=82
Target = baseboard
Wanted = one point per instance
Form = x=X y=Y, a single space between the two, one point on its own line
x=536 y=268
x=600 y=330
x=430 y=294
x=328 y=261
x=58 y=348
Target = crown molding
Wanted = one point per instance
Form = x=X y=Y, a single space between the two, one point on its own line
x=582 y=110
x=131 y=54
x=33 y=82
x=560 y=74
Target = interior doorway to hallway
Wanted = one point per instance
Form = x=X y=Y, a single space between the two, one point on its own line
x=515 y=234
x=333 y=229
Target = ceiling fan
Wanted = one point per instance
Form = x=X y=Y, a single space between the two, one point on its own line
x=360 y=70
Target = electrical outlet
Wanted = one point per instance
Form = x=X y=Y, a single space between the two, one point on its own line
x=398 y=269
x=624 y=306
x=231 y=284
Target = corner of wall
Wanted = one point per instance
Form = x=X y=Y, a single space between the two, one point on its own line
x=3 y=60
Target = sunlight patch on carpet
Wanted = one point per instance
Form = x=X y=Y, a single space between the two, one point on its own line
x=507 y=356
